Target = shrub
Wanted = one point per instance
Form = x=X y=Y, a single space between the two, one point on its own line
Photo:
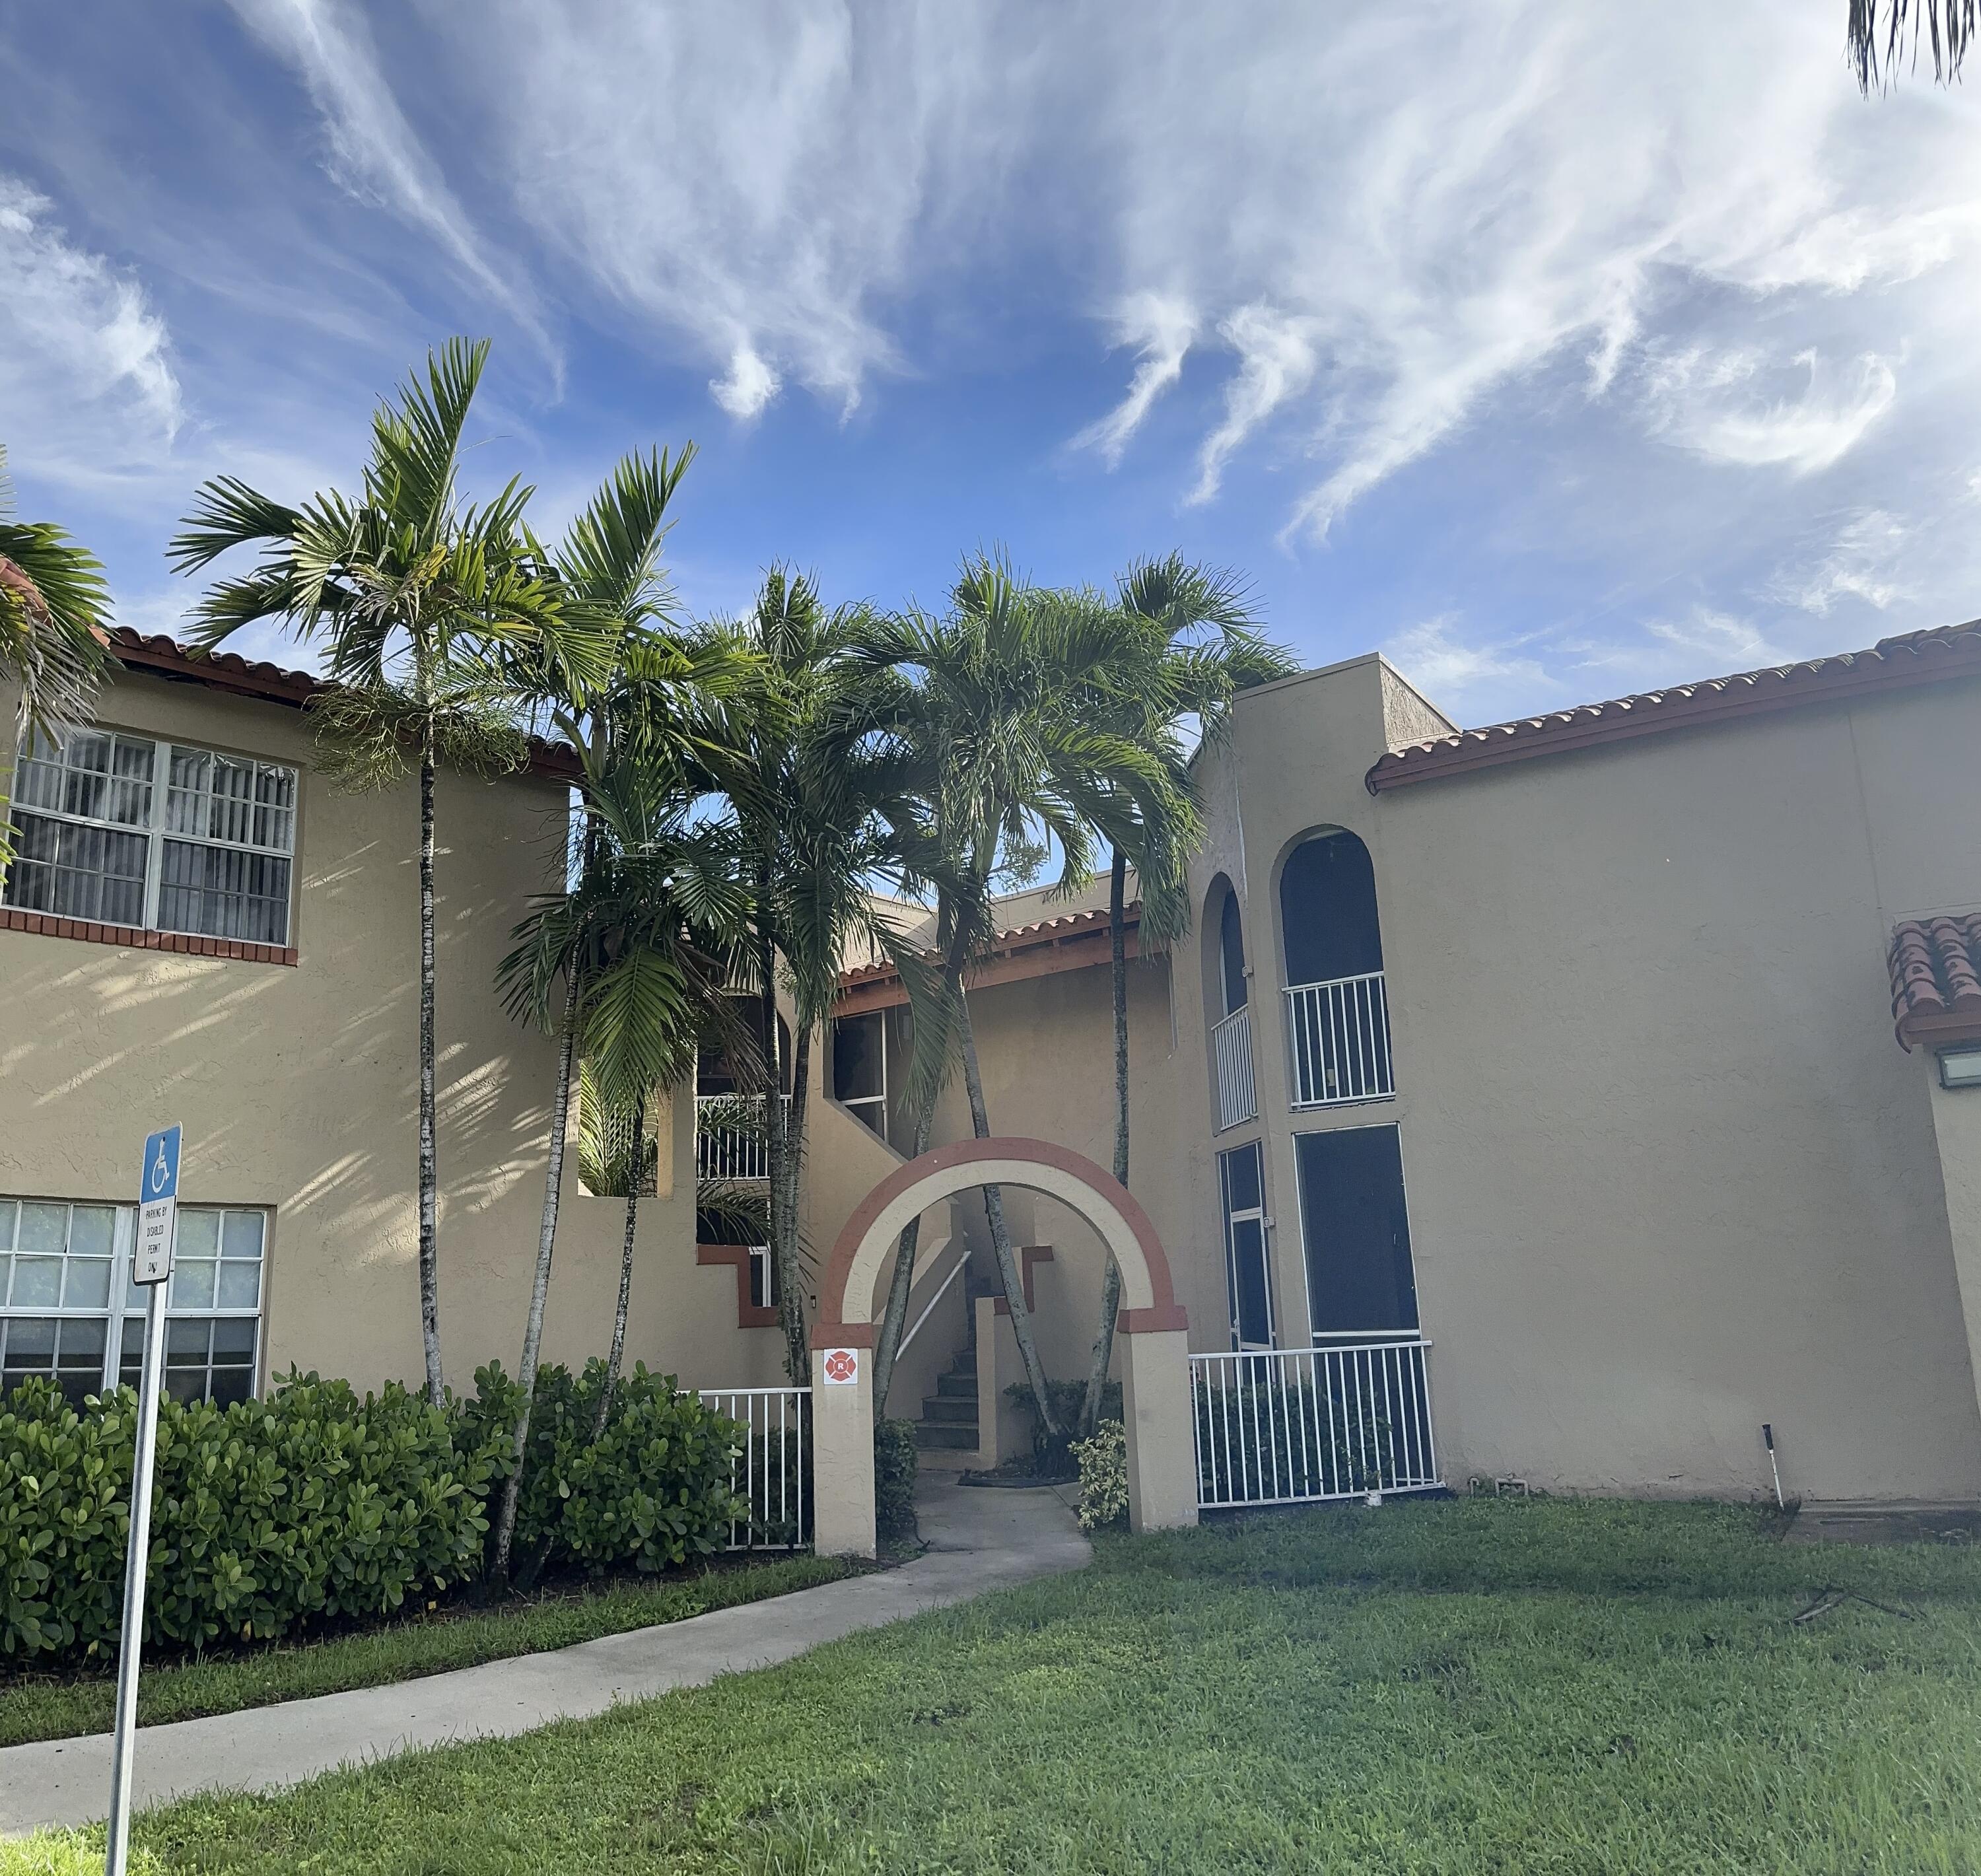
x=1104 y=1476
x=896 y=1459
x=1052 y=1458
x=316 y=1504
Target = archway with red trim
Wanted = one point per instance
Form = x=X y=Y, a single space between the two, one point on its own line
x=1162 y=1463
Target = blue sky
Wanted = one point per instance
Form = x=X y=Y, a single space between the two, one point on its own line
x=1559 y=351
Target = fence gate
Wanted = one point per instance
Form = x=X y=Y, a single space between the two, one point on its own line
x=1293 y=1426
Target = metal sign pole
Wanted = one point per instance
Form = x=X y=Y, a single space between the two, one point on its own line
x=152 y=1266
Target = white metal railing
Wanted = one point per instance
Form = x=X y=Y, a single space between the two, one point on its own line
x=771 y=1470
x=942 y=1290
x=730 y=1139
x=1231 y=1049
x=1339 y=1032
x=1292 y=1426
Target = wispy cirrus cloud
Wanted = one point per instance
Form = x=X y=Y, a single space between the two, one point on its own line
x=1161 y=328
x=374 y=151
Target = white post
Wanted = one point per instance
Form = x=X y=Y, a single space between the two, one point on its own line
x=117 y=1851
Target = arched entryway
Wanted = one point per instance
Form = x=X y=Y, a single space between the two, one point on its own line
x=1155 y=1363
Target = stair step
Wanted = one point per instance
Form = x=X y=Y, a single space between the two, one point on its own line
x=958 y=1386
x=937 y=1407
x=946 y=1436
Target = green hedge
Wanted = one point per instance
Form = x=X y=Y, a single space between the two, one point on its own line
x=319 y=1504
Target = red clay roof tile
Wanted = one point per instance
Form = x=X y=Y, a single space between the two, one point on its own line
x=1907 y=658
x=1936 y=966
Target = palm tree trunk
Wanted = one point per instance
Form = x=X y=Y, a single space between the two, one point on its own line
x=1000 y=1237
x=887 y=1346
x=790 y=1289
x=1110 y=1283
x=429 y=1177
x=624 y=1304
x=533 y=1328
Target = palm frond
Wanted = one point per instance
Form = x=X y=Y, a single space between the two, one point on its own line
x=1881 y=33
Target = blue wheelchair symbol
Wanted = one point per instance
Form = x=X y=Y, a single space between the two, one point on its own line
x=160 y=1177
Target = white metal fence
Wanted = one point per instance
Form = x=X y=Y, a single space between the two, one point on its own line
x=1339 y=1034
x=730 y=1139
x=1231 y=1048
x=1290 y=1426
x=771 y=1471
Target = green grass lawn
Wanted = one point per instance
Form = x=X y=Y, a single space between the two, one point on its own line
x=58 y=1707
x=1481 y=1686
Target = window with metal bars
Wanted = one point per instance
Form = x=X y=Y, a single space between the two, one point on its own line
x=65 y=1287
x=127 y=830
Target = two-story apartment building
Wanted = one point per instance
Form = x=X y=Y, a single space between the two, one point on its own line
x=1620 y=1064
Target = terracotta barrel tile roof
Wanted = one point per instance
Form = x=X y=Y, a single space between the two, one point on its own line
x=1909 y=659
x=1935 y=966
x=229 y=671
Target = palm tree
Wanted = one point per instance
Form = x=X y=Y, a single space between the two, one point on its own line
x=630 y=970
x=809 y=790
x=53 y=607
x=414 y=593
x=1880 y=30
x=1193 y=645
x=989 y=698
x=643 y=946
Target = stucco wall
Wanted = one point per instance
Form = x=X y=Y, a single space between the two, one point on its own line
x=1668 y=1176
x=297 y=1087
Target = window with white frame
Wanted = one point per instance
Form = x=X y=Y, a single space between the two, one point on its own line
x=125 y=830
x=70 y=1313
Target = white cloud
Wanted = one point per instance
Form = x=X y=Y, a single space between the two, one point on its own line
x=1162 y=328
x=1732 y=408
x=1862 y=563
x=1276 y=361
x=88 y=395
x=375 y=152
x=1453 y=673
x=747 y=388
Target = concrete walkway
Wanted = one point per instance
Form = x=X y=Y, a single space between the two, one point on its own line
x=978 y=1540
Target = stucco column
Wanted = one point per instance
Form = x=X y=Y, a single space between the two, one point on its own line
x=1155 y=1408
x=1957 y=1125
x=842 y=1446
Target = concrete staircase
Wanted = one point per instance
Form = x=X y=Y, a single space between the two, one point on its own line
x=949 y=1415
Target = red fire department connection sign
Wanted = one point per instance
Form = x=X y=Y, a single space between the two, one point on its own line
x=842 y=1366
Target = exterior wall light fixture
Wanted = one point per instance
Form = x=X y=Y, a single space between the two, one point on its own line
x=1960 y=1067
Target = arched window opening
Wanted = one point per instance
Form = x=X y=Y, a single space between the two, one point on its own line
x=1337 y=1015
x=1228 y=994
x=1231 y=953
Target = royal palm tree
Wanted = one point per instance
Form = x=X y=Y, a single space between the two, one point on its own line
x=1881 y=31
x=413 y=594
x=994 y=700
x=54 y=605
x=1193 y=644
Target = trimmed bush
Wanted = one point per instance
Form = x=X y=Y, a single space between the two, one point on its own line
x=896 y=1461
x=1052 y=1458
x=1104 y=1476
x=317 y=1504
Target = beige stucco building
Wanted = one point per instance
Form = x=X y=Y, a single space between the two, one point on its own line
x=1558 y=1060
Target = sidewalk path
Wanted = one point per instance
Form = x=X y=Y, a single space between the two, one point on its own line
x=978 y=1540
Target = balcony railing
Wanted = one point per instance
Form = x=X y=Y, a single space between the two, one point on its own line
x=730 y=1139
x=1231 y=1050
x=1291 y=1426
x=1339 y=1034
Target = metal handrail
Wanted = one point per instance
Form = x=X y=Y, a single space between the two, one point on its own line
x=955 y=1271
